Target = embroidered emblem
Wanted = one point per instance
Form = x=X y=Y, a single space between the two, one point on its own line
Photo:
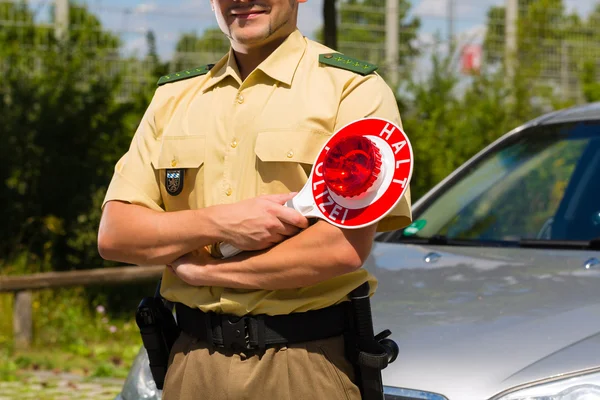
x=174 y=181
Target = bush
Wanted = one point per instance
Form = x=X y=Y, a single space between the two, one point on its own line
x=449 y=120
x=8 y=368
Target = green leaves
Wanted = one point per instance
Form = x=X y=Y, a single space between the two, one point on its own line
x=62 y=131
x=449 y=120
x=590 y=86
x=551 y=43
x=361 y=31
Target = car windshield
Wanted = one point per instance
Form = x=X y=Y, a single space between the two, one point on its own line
x=543 y=184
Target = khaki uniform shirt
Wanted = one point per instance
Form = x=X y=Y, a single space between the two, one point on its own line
x=237 y=140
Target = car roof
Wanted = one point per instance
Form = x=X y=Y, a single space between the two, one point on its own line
x=586 y=112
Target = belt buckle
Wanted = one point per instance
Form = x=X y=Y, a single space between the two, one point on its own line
x=235 y=333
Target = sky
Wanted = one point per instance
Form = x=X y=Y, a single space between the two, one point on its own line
x=170 y=18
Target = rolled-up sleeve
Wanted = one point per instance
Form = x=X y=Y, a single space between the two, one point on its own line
x=135 y=180
x=370 y=96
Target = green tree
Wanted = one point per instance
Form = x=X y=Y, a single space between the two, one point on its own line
x=63 y=130
x=361 y=31
x=590 y=84
x=86 y=32
x=152 y=55
x=495 y=40
x=18 y=37
x=449 y=120
x=153 y=63
x=552 y=45
x=588 y=54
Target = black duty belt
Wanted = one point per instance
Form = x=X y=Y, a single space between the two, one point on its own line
x=261 y=331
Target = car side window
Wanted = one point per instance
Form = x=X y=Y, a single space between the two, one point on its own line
x=518 y=191
x=521 y=203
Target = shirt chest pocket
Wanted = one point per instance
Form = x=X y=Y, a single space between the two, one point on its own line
x=180 y=165
x=285 y=158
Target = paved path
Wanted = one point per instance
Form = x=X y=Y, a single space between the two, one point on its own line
x=51 y=386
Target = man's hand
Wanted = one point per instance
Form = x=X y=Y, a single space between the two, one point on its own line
x=135 y=234
x=321 y=252
x=259 y=223
x=187 y=267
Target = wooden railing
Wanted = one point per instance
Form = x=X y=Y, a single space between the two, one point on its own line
x=23 y=286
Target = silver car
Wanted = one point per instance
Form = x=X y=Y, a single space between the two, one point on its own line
x=491 y=294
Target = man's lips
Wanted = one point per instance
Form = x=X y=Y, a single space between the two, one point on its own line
x=247 y=13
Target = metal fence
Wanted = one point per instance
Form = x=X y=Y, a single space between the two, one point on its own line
x=555 y=41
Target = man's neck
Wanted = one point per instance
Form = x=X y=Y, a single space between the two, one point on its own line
x=248 y=58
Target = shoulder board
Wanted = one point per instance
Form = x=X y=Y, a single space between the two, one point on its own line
x=188 y=73
x=352 y=64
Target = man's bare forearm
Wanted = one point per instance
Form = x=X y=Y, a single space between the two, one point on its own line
x=134 y=234
x=318 y=253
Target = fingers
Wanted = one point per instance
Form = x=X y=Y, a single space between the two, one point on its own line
x=292 y=217
x=277 y=238
x=286 y=214
x=280 y=198
x=287 y=230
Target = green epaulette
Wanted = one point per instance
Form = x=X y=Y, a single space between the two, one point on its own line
x=352 y=64
x=188 y=73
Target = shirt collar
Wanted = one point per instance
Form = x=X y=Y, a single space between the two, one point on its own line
x=281 y=65
x=225 y=67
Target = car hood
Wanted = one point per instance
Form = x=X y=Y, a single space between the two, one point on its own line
x=472 y=322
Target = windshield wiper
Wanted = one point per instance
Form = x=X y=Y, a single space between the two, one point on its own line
x=441 y=240
x=593 y=244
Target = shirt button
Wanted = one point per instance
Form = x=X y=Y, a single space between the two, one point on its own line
x=240 y=99
x=234 y=143
x=229 y=192
x=290 y=154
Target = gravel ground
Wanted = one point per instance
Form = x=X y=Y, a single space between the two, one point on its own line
x=51 y=386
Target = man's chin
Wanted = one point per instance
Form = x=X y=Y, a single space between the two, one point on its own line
x=250 y=37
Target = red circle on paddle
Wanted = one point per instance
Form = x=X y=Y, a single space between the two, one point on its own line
x=397 y=166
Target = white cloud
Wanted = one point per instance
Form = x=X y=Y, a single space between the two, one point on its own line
x=439 y=8
x=474 y=34
x=426 y=39
x=146 y=8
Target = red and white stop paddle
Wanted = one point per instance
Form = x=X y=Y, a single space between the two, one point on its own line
x=359 y=176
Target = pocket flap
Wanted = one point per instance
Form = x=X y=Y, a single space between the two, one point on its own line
x=290 y=146
x=181 y=152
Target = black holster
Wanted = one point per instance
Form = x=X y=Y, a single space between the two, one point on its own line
x=368 y=353
x=154 y=317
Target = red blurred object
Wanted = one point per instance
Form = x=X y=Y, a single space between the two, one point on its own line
x=471 y=59
x=352 y=166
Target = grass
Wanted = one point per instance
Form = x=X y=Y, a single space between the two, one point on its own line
x=112 y=360
x=69 y=335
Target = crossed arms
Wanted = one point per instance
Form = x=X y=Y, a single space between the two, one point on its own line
x=283 y=250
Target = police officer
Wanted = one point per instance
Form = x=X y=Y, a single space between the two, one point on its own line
x=218 y=152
